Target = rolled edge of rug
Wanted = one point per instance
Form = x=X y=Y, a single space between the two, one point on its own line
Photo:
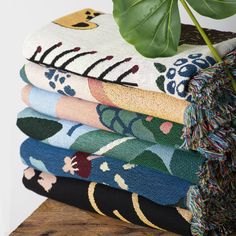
x=209 y=129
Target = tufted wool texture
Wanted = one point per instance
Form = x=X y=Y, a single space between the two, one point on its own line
x=103 y=117
x=97 y=50
x=167 y=159
x=188 y=88
x=107 y=201
x=132 y=99
x=165 y=190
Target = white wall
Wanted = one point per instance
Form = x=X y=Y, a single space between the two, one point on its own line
x=228 y=24
x=18 y=18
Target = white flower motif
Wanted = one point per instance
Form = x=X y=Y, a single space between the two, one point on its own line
x=129 y=166
x=69 y=165
x=104 y=167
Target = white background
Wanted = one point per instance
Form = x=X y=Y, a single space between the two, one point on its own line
x=17 y=19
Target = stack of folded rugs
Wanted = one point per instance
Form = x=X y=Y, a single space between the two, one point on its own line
x=146 y=141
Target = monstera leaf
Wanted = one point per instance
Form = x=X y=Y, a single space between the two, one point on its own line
x=216 y=9
x=152 y=26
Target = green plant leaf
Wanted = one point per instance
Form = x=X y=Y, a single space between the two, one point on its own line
x=150 y=160
x=38 y=128
x=216 y=9
x=152 y=26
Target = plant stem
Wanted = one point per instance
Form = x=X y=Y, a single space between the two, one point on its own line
x=206 y=39
x=202 y=32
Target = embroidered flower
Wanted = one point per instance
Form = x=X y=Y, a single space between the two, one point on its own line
x=47 y=180
x=70 y=165
x=78 y=164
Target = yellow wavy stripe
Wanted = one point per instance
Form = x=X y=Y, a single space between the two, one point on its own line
x=187 y=215
x=119 y=216
x=91 y=190
x=140 y=214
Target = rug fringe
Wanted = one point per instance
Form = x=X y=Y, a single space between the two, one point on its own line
x=210 y=129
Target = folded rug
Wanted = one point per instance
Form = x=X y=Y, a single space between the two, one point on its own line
x=145 y=102
x=104 y=117
x=161 y=188
x=210 y=129
x=75 y=136
x=209 y=126
x=107 y=201
x=88 y=43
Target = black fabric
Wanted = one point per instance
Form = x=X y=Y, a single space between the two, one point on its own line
x=75 y=192
x=190 y=35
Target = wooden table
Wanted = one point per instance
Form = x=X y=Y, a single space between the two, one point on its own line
x=54 y=218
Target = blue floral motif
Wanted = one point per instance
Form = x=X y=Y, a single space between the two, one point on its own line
x=50 y=73
x=201 y=63
x=194 y=56
x=180 y=62
x=171 y=73
x=171 y=87
x=52 y=84
x=58 y=78
x=181 y=88
x=187 y=70
x=68 y=90
x=189 y=98
x=61 y=92
x=211 y=60
x=182 y=67
x=62 y=80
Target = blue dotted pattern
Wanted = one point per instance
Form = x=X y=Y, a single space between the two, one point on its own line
x=185 y=68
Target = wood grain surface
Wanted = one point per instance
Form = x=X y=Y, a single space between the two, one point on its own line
x=54 y=218
x=57 y=219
